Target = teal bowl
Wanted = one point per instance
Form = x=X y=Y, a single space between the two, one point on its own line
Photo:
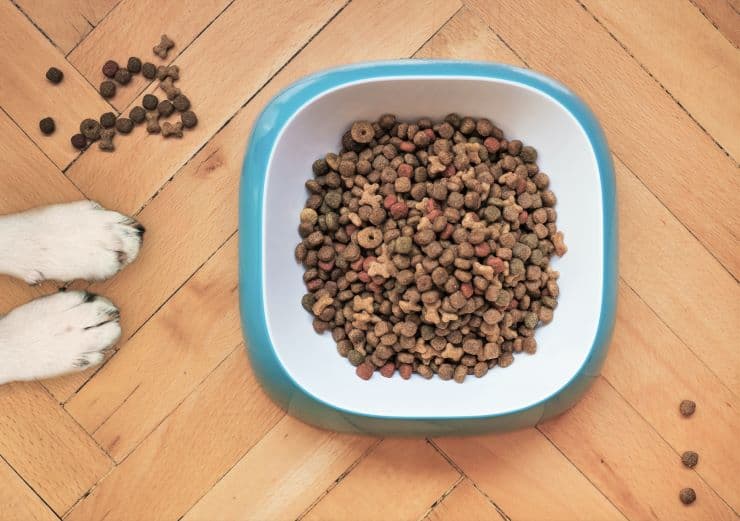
x=302 y=372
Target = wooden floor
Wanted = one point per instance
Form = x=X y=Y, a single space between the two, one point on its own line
x=175 y=426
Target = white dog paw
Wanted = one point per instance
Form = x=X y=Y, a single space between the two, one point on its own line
x=64 y=242
x=57 y=334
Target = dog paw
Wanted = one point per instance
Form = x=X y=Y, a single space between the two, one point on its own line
x=79 y=240
x=57 y=334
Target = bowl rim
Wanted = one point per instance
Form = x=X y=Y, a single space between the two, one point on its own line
x=273 y=376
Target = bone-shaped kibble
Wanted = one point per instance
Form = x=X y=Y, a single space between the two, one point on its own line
x=152 y=122
x=165 y=44
x=169 y=88
x=169 y=71
x=106 y=139
x=172 y=130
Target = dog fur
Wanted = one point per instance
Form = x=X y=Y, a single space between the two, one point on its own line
x=66 y=331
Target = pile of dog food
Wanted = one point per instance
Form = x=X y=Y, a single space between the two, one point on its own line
x=104 y=129
x=426 y=247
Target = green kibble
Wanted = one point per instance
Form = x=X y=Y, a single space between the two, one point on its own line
x=308 y=301
x=355 y=357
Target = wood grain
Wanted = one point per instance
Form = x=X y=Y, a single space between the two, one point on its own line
x=647 y=130
x=464 y=503
x=66 y=22
x=293 y=464
x=189 y=451
x=398 y=480
x=167 y=359
x=27 y=96
x=682 y=36
x=45 y=446
x=17 y=501
x=722 y=14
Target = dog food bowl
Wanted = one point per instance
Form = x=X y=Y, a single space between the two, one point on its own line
x=302 y=371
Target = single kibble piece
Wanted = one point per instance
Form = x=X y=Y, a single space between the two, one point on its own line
x=107 y=89
x=47 y=126
x=133 y=65
x=90 y=129
x=106 y=140
x=149 y=70
x=169 y=88
x=687 y=496
x=172 y=130
x=163 y=47
x=690 y=458
x=362 y=132
x=110 y=68
x=181 y=103
x=124 y=125
x=122 y=76
x=168 y=71
x=165 y=108
x=107 y=120
x=150 y=101
x=687 y=407
x=78 y=141
x=54 y=75
x=137 y=115
x=152 y=122
x=189 y=119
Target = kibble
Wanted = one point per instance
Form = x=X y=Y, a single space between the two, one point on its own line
x=149 y=70
x=124 y=125
x=189 y=119
x=79 y=141
x=150 y=101
x=152 y=122
x=133 y=65
x=165 y=108
x=423 y=248
x=687 y=407
x=163 y=47
x=181 y=103
x=90 y=129
x=107 y=120
x=106 y=140
x=172 y=129
x=169 y=88
x=690 y=458
x=107 y=89
x=110 y=68
x=47 y=126
x=687 y=496
x=137 y=115
x=123 y=76
x=54 y=75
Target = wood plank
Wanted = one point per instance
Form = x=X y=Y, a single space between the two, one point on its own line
x=189 y=451
x=400 y=479
x=722 y=15
x=653 y=370
x=17 y=501
x=678 y=278
x=629 y=462
x=645 y=127
x=46 y=447
x=147 y=19
x=66 y=22
x=225 y=66
x=465 y=503
x=27 y=96
x=192 y=333
x=527 y=477
x=665 y=36
x=280 y=477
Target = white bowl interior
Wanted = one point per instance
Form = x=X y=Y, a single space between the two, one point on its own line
x=565 y=154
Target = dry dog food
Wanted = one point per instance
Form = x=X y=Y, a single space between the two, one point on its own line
x=54 y=75
x=165 y=44
x=687 y=407
x=687 y=496
x=690 y=458
x=110 y=68
x=90 y=129
x=149 y=70
x=134 y=65
x=426 y=247
x=78 y=141
x=107 y=120
x=189 y=119
x=137 y=115
x=47 y=126
x=172 y=129
x=107 y=89
x=124 y=125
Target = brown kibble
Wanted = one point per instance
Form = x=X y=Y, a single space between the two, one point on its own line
x=690 y=458
x=687 y=496
x=78 y=141
x=362 y=132
x=106 y=139
x=137 y=115
x=122 y=76
x=163 y=47
x=460 y=373
x=181 y=103
x=47 y=126
x=165 y=108
x=54 y=75
x=687 y=407
x=152 y=122
x=370 y=238
x=149 y=70
x=107 y=89
x=189 y=119
x=169 y=88
x=124 y=125
x=90 y=129
x=110 y=68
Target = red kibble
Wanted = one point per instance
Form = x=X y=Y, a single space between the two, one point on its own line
x=388 y=369
x=357 y=265
x=407 y=146
x=513 y=304
x=430 y=134
x=405 y=170
x=433 y=214
x=521 y=186
x=450 y=171
x=375 y=288
x=496 y=263
x=326 y=266
x=447 y=232
x=523 y=217
x=366 y=263
x=314 y=285
x=389 y=201
x=492 y=144
x=365 y=370
x=482 y=249
x=399 y=210
x=431 y=205
x=350 y=229
x=363 y=276
x=405 y=370
x=466 y=289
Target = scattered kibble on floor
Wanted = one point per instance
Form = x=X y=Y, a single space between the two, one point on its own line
x=90 y=129
x=137 y=115
x=133 y=65
x=124 y=125
x=687 y=407
x=690 y=458
x=54 y=75
x=189 y=119
x=110 y=68
x=163 y=47
x=107 y=89
x=165 y=108
x=150 y=101
x=107 y=119
x=79 y=141
x=687 y=496
x=426 y=247
x=149 y=70
x=47 y=126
